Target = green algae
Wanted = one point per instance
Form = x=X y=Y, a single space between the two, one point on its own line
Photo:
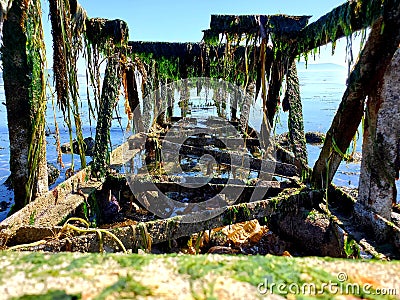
x=124 y=288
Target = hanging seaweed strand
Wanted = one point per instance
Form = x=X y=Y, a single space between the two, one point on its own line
x=74 y=48
x=36 y=59
x=68 y=23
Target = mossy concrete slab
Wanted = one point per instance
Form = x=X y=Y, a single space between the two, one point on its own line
x=96 y=276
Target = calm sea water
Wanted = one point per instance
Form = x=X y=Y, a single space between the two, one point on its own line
x=322 y=87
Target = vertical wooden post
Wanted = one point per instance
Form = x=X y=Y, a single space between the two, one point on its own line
x=23 y=67
x=109 y=97
x=377 y=189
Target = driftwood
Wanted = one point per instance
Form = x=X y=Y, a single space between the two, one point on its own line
x=374 y=59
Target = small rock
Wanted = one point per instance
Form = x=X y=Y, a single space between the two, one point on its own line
x=315 y=137
x=89 y=143
x=8 y=183
x=49 y=132
x=312 y=137
x=53 y=173
x=3 y=206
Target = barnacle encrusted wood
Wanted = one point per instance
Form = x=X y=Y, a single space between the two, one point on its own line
x=102 y=31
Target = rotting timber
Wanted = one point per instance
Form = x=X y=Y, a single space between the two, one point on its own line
x=259 y=67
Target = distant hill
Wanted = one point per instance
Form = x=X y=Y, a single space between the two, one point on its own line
x=320 y=67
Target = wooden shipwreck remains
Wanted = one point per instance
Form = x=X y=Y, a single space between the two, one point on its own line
x=257 y=53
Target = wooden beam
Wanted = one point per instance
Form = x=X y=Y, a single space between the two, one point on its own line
x=249 y=24
x=341 y=21
x=168 y=229
x=169 y=50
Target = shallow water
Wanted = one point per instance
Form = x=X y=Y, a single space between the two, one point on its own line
x=322 y=87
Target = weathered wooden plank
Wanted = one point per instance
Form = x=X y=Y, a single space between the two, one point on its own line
x=201 y=141
x=51 y=208
x=169 y=50
x=233 y=159
x=149 y=185
x=128 y=150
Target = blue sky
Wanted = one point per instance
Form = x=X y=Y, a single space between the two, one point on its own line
x=183 y=21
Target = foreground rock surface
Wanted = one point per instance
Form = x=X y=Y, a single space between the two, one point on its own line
x=96 y=276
